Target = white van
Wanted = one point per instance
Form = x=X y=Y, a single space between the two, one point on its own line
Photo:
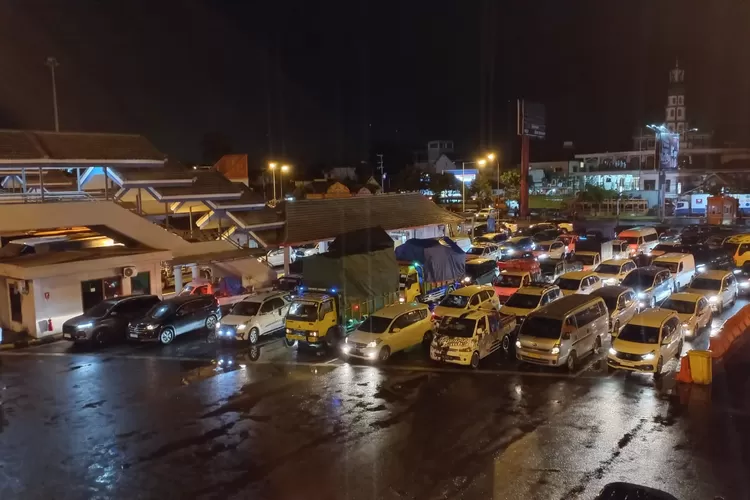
x=681 y=265
x=640 y=239
x=564 y=331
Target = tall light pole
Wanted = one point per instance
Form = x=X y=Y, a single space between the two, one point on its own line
x=272 y=167
x=481 y=163
x=493 y=156
x=52 y=63
x=284 y=169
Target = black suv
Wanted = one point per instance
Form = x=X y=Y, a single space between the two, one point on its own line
x=108 y=320
x=175 y=316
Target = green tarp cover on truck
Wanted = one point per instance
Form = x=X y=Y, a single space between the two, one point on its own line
x=358 y=270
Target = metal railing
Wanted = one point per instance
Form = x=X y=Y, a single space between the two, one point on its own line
x=57 y=196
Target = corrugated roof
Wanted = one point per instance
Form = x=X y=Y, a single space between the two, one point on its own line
x=206 y=183
x=29 y=145
x=249 y=197
x=249 y=218
x=315 y=220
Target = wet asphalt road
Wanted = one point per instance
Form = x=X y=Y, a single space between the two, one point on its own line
x=147 y=421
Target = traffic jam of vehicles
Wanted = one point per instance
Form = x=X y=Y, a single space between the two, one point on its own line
x=542 y=295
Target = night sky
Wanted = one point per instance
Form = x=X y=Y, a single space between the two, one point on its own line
x=333 y=82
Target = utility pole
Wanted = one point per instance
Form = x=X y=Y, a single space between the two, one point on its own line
x=52 y=63
x=382 y=173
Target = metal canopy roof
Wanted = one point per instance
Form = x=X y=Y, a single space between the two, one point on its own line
x=44 y=148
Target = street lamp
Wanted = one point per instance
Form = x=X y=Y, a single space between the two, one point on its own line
x=284 y=169
x=481 y=163
x=52 y=63
x=272 y=166
x=491 y=157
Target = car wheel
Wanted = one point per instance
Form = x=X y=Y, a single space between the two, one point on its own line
x=253 y=336
x=98 y=338
x=166 y=336
x=427 y=340
x=597 y=345
x=384 y=354
x=474 y=360
x=506 y=344
x=572 y=362
x=332 y=338
x=679 y=350
x=659 y=367
x=211 y=322
x=289 y=343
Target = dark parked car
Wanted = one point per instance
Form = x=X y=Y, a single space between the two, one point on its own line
x=108 y=320
x=707 y=258
x=175 y=316
x=480 y=272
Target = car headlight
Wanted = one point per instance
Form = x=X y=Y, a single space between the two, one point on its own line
x=241 y=327
x=555 y=350
x=641 y=295
x=465 y=349
x=745 y=284
x=218 y=324
x=649 y=356
x=288 y=330
x=612 y=351
x=700 y=268
x=737 y=271
x=543 y=256
x=510 y=251
x=467 y=279
x=713 y=299
x=150 y=327
x=84 y=326
x=374 y=343
x=313 y=333
x=518 y=344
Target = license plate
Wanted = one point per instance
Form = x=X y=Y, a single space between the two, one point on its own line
x=67 y=336
x=133 y=335
x=534 y=355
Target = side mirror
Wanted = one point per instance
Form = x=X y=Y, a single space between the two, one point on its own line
x=395 y=330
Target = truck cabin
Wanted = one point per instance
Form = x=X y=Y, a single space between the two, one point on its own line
x=410 y=276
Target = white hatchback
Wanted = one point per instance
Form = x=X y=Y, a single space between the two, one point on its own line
x=257 y=315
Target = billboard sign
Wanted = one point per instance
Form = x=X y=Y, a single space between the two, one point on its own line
x=531 y=119
x=669 y=148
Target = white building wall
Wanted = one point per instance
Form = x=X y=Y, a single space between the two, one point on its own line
x=65 y=300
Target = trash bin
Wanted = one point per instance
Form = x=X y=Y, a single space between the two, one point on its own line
x=700 y=366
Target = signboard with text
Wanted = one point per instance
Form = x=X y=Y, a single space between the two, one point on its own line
x=531 y=119
x=669 y=148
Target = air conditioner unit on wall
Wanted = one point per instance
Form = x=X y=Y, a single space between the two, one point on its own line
x=129 y=272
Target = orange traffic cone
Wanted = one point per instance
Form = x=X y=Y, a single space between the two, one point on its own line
x=684 y=374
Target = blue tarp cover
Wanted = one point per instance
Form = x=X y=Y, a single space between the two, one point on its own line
x=441 y=258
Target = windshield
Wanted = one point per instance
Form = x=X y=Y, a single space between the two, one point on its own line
x=160 y=310
x=476 y=270
x=459 y=301
x=731 y=248
x=638 y=280
x=457 y=327
x=587 y=260
x=705 y=284
x=245 y=308
x=303 y=310
x=640 y=334
x=672 y=266
x=546 y=328
x=523 y=300
x=475 y=250
x=608 y=269
x=547 y=266
x=100 y=309
x=679 y=306
x=505 y=280
x=568 y=283
x=632 y=240
x=375 y=324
